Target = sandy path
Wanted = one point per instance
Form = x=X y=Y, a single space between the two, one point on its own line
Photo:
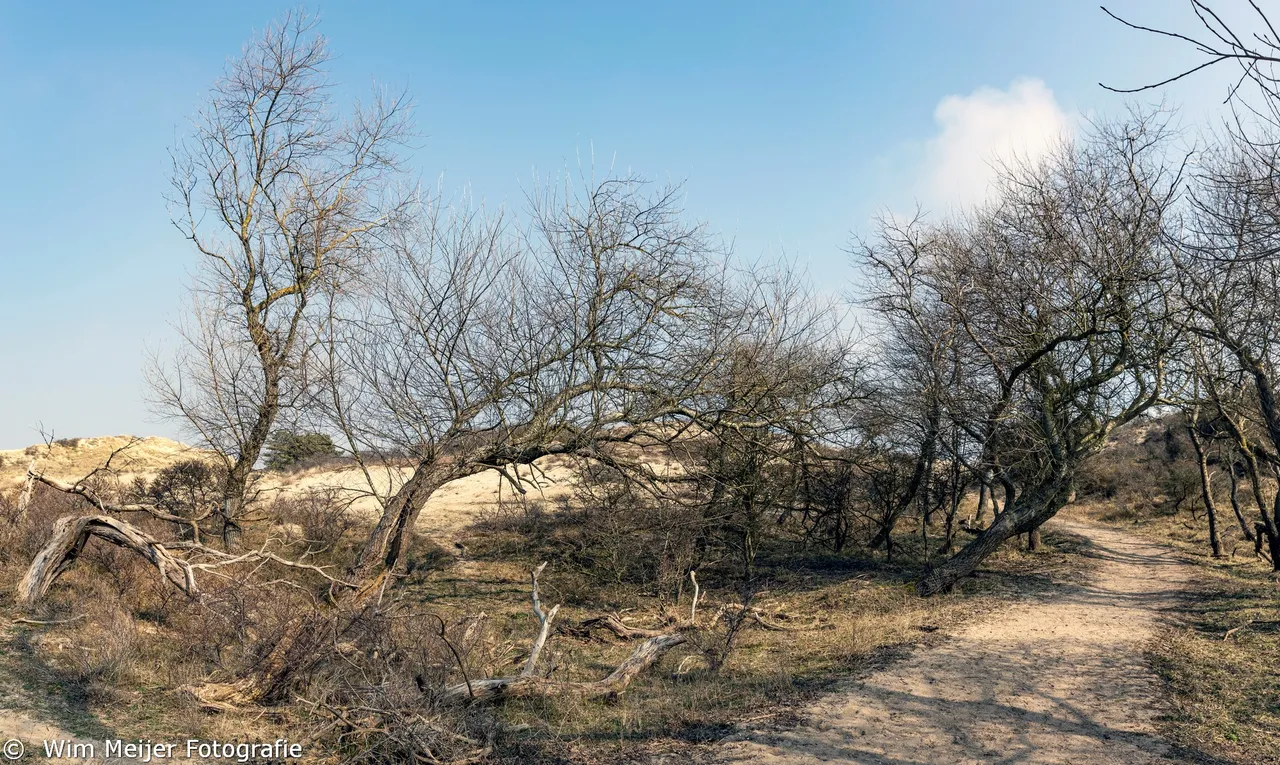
x=1056 y=680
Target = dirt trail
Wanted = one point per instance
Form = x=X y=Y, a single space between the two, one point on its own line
x=1056 y=680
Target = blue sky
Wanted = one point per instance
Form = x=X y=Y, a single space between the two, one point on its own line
x=791 y=124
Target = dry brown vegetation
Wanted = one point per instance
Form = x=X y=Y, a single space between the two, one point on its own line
x=1217 y=658
x=128 y=651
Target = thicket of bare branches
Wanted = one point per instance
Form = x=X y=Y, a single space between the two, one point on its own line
x=715 y=414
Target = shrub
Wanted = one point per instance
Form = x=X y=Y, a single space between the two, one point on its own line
x=287 y=449
x=184 y=487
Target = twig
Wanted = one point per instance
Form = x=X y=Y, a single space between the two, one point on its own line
x=48 y=622
x=544 y=619
x=1234 y=630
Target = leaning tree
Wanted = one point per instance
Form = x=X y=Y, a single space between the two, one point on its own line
x=1053 y=294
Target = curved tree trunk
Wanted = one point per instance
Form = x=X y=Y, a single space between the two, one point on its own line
x=1027 y=513
x=70 y=534
x=1235 y=504
x=984 y=490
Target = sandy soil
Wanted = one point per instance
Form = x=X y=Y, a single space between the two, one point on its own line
x=1059 y=680
x=72 y=459
x=451 y=509
x=20 y=721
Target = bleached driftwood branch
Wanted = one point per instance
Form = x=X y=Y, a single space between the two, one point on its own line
x=544 y=622
x=529 y=683
x=68 y=539
x=500 y=688
x=70 y=534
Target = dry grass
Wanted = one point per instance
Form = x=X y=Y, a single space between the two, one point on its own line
x=1225 y=689
x=119 y=669
x=867 y=610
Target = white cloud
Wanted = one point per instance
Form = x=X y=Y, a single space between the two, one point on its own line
x=985 y=127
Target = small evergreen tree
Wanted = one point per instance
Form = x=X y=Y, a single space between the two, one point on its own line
x=286 y=448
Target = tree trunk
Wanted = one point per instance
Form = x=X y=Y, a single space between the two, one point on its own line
x=1271 y=419
x=1267 y=528
x=233 y=502
x=884 y=536
x=1010 y=496
x=1027 y=513
x=1273 y=534
x=302 y=642
x=953 y=509
x=984 y=488
x=1206 y=483
x=387 y=543
x=71 y=533
x=1235 y=504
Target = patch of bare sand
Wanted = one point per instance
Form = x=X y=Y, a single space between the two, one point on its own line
x=73 y=458
x=19 y=722
x=458 y=504
x=451 y=508
x=1056 y=680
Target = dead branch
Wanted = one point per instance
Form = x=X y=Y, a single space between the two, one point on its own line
x=1234 y=630
x=49 y=622
x=69 y=537
x=24 y=499
x=261 y=554
x=697 y=591
x=528 y=683
x=70 y=534
x=501 y=688
x=80 y=490
x=544 y=620
x=757 y=616
x=618 y=627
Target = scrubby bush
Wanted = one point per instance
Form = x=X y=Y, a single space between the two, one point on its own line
x=286 y=449
x=184 y=487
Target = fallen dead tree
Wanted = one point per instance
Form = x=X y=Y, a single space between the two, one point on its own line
x=529 y=683
x=657 y=643
x=500 y=688
x=72 y=533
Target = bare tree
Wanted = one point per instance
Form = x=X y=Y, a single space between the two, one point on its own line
x=473 y=346
x=280 y=196
x=1229 y=277
x=1053 y=297
x=918 y=335
x=1219 y=41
